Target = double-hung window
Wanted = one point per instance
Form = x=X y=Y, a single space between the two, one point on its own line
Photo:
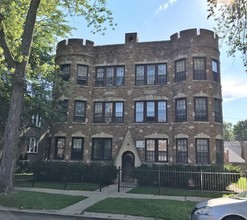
x=33 y=145
x=219 y=152
x=63 y=110
x=77 y=148
x=80 y=111
x=201 y=109
x=156 y=150
x=101 y=149
x=36 y=120
x=65 y=68
x=110 y=76
x=107 y=112
x=181 y=110
x=215 y=71
x=182 y=150
x=151 y=74
x=202 y=151
x=59 y=148
x=150 y=111
x=82 y=74
x=199 y=70
x=217 y=110
x=180 y=71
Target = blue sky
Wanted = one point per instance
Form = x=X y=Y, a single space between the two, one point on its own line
x=156 y=20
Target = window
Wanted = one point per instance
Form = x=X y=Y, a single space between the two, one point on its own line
x=82 y=73
x=102 y=149
x=63 y=110
x=36 y=120
x=219 y=152
x=150 y=111
x=182 y=150
x=181 y=110
x=156 y=150
x=106 y=112
x=151 y=74
x=110 y=76
x=217 y=110
x=80 y=111
x=199 y=72
x=59 y=148
x=77 y=148
x=33 y=145
x=201 y=109
x=202 y=151
x=215 y=71
x=120 y=76
x=65 y=68
x=180 y=73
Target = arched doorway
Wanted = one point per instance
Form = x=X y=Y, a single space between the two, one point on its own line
x=128 y=164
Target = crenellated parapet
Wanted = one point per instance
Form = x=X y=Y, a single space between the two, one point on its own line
x=74 y=47
x=194 y=37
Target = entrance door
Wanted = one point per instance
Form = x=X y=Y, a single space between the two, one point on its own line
x=128 y=163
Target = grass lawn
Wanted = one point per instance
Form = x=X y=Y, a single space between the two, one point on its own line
x=58 y=185
x=36 y=200
x=242 y=183
x=158 y=209
x=176 y=192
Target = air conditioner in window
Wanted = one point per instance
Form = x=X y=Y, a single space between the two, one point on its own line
x=107 y=120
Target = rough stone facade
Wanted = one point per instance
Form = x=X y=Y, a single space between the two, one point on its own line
x=129 y=138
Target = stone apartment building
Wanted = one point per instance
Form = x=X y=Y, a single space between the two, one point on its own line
x=141 y=102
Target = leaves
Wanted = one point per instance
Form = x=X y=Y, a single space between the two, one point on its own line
x=240 y=131
x=228 y=131
x=231 y=18
x=41 y=74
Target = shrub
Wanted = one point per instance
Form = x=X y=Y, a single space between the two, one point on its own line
x=75 y=172
x=187 y=176
x=24 y=166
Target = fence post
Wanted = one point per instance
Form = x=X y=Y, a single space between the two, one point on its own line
x=65 y=178
x=33 y=177
x=202 y=180
x=119 y=179
x=100 y=179
x=159 y=179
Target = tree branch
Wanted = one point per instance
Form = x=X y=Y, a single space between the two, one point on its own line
x=3 y=44
x=29 y=27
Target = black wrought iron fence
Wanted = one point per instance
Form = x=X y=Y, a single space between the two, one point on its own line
x=74 y=176
x=193 y=180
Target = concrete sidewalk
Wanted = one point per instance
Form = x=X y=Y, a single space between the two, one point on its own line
x=93 y=197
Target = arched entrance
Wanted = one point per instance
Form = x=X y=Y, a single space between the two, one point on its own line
x=128 y=164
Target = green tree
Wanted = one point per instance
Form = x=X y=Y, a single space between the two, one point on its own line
x=231 y=18
x=26 y=27
x=228 y=131
x=240 y=131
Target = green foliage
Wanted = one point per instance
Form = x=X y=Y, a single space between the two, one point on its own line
x=152 y=208
x=187 y=176
x=231 y=20
x=42 y=74
x=75 y=172
x=240 y=131
x=228 y=131
x=37 y=200
x=28 y=32
x=24 y=166
x=232 y=168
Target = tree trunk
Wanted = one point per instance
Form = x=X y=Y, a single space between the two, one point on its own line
x=11 y=133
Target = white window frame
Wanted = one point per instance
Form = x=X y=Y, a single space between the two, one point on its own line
x=33 y=145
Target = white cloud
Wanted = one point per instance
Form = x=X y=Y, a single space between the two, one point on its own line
x=234 y=88
x=164 y=6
